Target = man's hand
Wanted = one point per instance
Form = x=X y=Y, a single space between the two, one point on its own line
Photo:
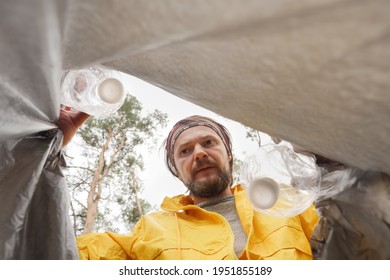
x=69 y=121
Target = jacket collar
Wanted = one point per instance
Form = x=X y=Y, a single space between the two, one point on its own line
x=185 y=202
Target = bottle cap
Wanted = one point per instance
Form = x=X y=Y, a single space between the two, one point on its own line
x=111 y=91
x=263 y=192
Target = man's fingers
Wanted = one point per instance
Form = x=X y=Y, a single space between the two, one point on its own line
x=69 y=122
x=78 y=118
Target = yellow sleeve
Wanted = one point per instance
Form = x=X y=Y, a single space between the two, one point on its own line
x=107 y=245
x=99 y=246
x=309 y=220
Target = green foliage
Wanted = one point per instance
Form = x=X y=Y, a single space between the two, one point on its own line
x=127 y=129
x=130 y=214
x=110 y=148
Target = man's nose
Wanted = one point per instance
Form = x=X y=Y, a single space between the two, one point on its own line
x=199 y=152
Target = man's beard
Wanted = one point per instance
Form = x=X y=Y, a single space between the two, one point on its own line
x=211 y=187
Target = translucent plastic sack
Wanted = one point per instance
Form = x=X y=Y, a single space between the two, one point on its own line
x=281 y=182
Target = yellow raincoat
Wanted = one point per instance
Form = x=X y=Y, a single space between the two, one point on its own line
x=185 y=231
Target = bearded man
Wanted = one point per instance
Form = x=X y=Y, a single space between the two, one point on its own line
x=215 y=220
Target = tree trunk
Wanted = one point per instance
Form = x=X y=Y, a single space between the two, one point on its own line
x=94 y=194
x=134 y=187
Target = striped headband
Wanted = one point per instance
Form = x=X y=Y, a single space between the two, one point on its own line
x=190 y=122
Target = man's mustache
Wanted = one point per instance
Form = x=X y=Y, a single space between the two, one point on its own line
x=203 y=163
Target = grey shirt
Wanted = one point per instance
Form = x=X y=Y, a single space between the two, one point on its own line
x=226 y=207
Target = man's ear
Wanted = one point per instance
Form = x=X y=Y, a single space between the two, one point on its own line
x=230 y=157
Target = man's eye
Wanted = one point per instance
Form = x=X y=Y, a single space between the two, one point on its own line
x=184 y=152
x=209 y=142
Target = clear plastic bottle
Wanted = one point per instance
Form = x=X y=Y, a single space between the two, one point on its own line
x=96 y=90
x=281 y=182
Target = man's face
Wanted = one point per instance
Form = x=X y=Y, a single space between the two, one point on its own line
x=202 y=161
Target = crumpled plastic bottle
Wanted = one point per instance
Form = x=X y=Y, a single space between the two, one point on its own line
x=280 y=182
x=96 y=90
